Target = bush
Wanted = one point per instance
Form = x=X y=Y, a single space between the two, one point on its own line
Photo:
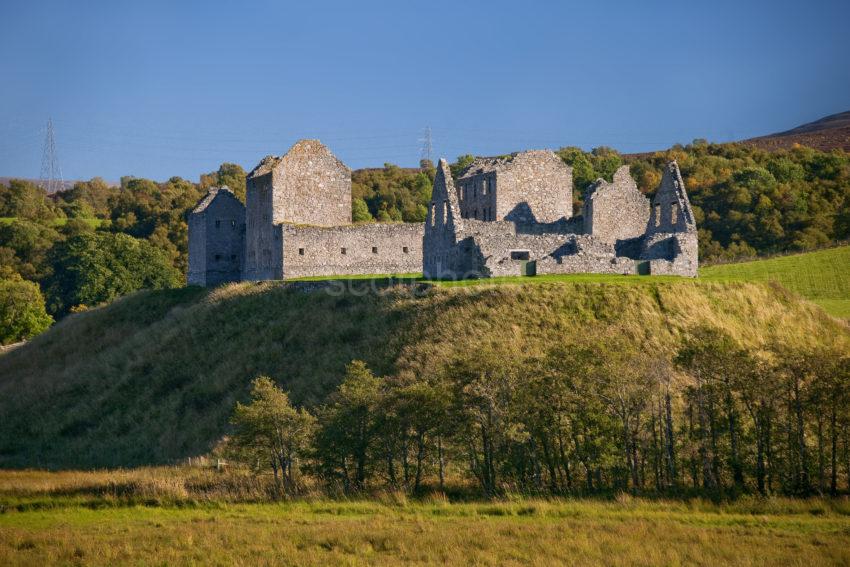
x=22 y=313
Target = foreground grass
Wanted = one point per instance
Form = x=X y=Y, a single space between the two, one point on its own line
x=168 y=516
x=630 y=532
x=822 y=277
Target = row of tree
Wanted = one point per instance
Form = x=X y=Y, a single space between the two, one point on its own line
x=91 y=244
x=590 y=417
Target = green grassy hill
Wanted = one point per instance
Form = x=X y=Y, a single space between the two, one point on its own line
x=153 y=377
x=822 y=277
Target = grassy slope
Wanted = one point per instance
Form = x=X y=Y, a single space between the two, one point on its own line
x=822 y=277
x=154 y=376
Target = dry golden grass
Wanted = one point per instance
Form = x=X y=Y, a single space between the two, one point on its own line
x=154 y=377
x=70 y=518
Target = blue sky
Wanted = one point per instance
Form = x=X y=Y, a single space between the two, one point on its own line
x=156 y=89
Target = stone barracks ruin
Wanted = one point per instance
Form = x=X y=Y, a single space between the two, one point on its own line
x=503 y=216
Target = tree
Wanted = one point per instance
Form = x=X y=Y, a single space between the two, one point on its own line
x=583 y=172
x=30 y=243
x=360 y=211
x=348 y=426
x=22 y=313
x=462 y=163
x=271 y=434
x=230 y=174
x=26 y=200
x=420 y=408
x=92 y=268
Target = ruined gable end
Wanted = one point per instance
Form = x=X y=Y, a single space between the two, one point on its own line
x=615 y=211
x=670 y=244
x=671 y=208
x=311 y=186
x=443 y=226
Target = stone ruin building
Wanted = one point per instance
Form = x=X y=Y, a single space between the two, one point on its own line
x=296 y=222
x=510 y=215
x=513 y=216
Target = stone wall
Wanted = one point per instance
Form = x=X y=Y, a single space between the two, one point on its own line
x=352 y=250
x=671 y=243
x=615 y=211
x=307 y=185
x=671 y=208
x=311 y=186
x=613 y=236
x=216 y=239
x=538 y=188
x=527 y=187
x=442 y=256
x=672 y=253
x=261 y=238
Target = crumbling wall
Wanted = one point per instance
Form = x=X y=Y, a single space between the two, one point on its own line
x=442 y=255
x=672 y=253
x=671 y=243
x=615 y=211
x=527 y=187
x=537 y=187
x=352 y=250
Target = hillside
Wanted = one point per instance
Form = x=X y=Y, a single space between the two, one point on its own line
x=821 y=276
x=828 y=133
x=153 y=377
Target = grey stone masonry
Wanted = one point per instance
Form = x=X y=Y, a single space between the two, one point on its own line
x=216 y=239
x=297 y=223
x=615 y=234
x=505 y=216
x=615 y=211
x=308 y=185
x=534 y=186
x=670 y=244
x=382 y=248
x=441 y=256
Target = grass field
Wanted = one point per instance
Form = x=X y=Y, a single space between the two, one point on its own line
x=822 y=277
x=154 y=516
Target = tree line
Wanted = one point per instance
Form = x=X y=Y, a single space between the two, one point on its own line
x=593 y=417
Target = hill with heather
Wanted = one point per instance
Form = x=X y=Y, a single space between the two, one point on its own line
x=828 y=133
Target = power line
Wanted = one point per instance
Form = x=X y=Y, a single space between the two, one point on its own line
x=50 y=178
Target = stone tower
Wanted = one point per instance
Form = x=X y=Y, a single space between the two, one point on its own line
x=306 y=186
x=216 y=239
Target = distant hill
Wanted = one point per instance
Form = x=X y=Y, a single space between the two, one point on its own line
x=820 y=276
x=826 y=134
